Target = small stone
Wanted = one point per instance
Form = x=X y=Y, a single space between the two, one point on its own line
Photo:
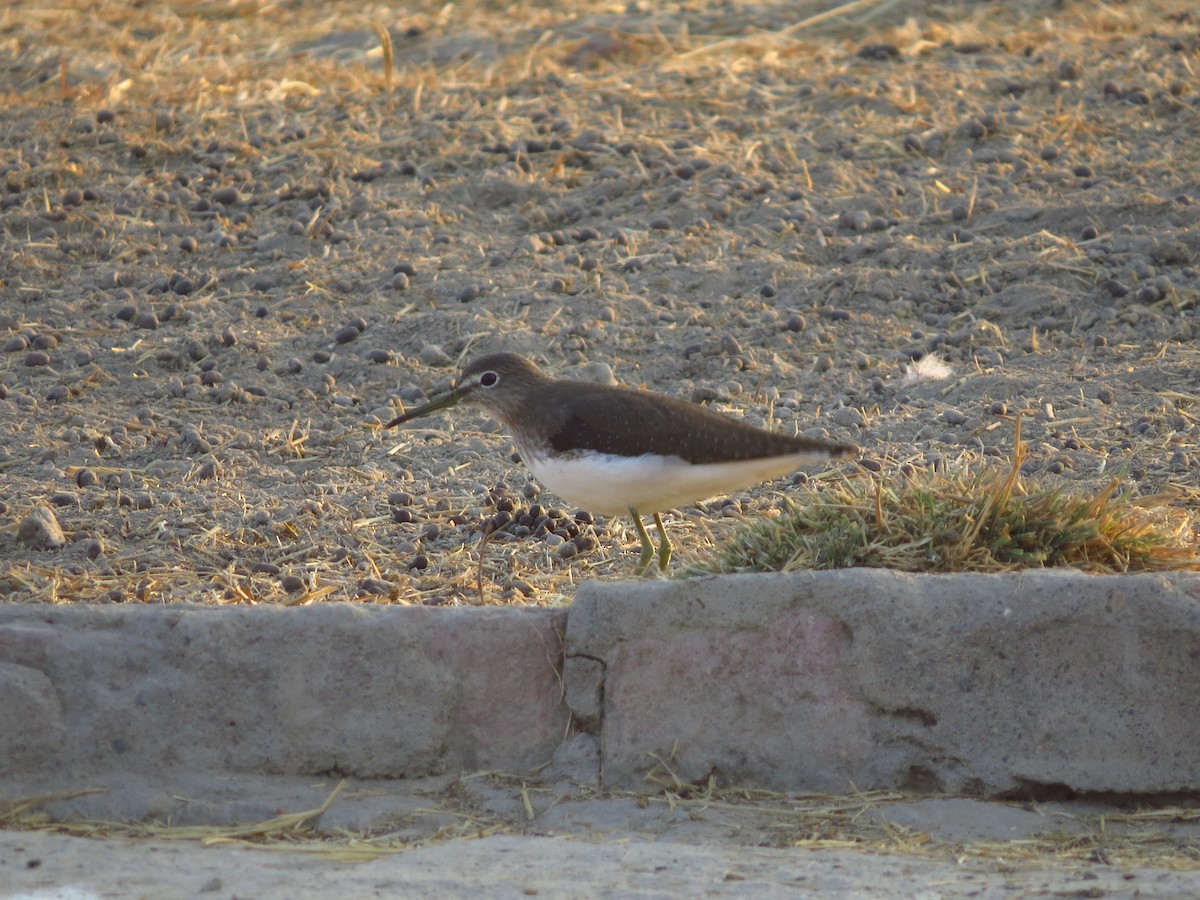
x=292 y=583
x=36 y=358
x=374 y=587
x=227 y=196
x=434 y=355
x=40 y=530
x=346 y=334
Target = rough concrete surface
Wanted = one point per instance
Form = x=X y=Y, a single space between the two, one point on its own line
x=358 y=689
x=1036 y=685
x=819 y=681
x=71 y=868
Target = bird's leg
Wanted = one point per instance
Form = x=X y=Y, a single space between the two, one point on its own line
x=647 y=546
x=664 y=548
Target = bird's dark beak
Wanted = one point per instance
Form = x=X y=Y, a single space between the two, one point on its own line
x=444 y=402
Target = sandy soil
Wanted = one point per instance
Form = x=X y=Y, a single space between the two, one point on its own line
x=234 y=242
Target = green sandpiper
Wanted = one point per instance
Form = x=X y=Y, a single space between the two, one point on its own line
x=612 y=449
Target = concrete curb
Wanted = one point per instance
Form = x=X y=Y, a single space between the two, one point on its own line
x=990 y=685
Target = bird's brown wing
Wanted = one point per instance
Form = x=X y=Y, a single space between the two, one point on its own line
x=630 y=423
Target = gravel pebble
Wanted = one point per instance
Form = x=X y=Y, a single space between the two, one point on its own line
x=40 y=530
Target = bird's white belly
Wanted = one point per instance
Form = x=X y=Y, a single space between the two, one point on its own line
x=610 y=485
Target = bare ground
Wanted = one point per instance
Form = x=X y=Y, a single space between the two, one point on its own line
x=234 y=242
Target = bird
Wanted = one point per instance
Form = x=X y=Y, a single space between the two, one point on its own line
x=612 y=449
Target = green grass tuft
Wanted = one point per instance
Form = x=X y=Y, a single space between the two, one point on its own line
x=985 y=522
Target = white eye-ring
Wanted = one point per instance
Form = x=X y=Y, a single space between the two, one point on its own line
x=489 y=379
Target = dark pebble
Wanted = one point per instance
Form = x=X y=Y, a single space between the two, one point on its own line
x=467 y=294
x=188 y=244
x=207 y=470
x=292 y=583
x=321 y=356
x=1089 y=233
x=264 y=568
x=1069 y=70
x=57 y=394
x=346 y=334
x=399 y=281
x=1105 y=395
x=85 y=477
x=227 y=196
x=566 y=550
x=430 y=532
x=379 y=356
x=420 y=563
x=126 y=312
x=403 y=516
x=375 y=587
x=93 y=548
x=37 y=358
x=147 y=319
x=999 y=408
x=16 y=344
x=400 y=498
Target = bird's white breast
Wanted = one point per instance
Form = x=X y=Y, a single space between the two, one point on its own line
x=610 y=485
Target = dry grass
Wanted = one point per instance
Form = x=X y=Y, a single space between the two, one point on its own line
x=1160 y=837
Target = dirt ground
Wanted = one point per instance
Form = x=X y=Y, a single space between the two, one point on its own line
x=235 y=241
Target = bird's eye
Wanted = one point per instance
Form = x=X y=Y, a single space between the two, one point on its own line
x=487 y=379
